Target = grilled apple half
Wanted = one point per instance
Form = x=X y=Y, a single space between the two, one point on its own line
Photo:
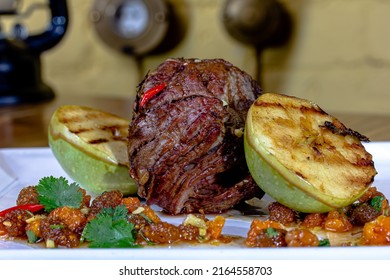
x=91 y=146
x=303 y=157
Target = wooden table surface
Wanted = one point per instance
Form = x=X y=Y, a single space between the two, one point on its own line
x=26 y=126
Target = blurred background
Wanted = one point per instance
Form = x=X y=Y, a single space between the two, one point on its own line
x=337 y=53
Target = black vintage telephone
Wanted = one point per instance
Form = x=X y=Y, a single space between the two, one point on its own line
x=20 y=66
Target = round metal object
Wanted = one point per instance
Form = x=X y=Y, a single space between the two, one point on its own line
x=9 y=7
x=131 y=26
x=256 y=22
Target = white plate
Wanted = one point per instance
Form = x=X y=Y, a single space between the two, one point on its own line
x=24 y=167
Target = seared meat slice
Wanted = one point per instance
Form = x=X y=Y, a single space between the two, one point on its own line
x=186 y=144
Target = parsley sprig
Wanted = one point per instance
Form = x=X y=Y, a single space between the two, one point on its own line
x=110 y=229
x=57 y=192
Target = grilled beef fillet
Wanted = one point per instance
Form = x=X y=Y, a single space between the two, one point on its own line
x=186 y=144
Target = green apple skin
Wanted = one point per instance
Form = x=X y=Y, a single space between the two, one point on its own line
x=278 y=187
x=94 y=175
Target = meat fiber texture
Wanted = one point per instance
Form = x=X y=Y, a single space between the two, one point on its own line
x=186 y=143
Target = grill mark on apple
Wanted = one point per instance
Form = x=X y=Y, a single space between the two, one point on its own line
x=98 y=141
x=80 y=130
x=304 y=109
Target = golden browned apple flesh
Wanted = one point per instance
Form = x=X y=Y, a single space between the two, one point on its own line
x=303 y=157
x=91 y=147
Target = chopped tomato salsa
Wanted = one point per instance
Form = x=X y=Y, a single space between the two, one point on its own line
x=44 y=215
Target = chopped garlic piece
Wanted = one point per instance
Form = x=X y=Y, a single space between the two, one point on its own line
x=50 y=243
x=84 y=210
x=139 y=210
x=239 y=132
x=7 y=223
x=197 y=222
x=30 y=220
x=34 y=218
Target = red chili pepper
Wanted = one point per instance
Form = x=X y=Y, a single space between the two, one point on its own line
x=151 y=92
x=29 y=207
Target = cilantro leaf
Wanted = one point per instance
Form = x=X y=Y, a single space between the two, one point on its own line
x=110 y=229
x=324 y=243
x=57 y=192
x=376 y=202
x=31 y=237
x=117 y=213
x=271 y=232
